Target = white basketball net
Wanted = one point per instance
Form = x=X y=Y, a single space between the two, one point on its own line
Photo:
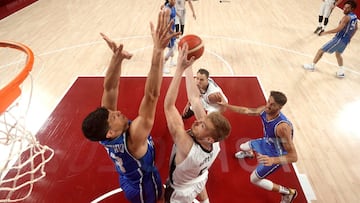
x=22 y=157
x=24 y=160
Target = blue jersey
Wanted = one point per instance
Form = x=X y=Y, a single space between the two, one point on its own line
x=172 y=17
x=139 y=178
x=270 y=144
x=270 y=132
x=346 y=33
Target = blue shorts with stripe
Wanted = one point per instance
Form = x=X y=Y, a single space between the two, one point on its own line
x=264 y=147
x=334 y=45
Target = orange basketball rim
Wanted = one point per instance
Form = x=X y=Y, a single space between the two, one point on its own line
x=11 y=91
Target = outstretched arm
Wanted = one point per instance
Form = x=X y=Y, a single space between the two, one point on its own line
x=112 y=76
x=194 y=95
x=142 y=125
x=341 y=25
x=242 y=109
x=173 y=117
x=192 y=8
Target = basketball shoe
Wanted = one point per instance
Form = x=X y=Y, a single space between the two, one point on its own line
x=290 y=197
x=189 y=113
x=309 y=67
x=340 y=73
x=317 y=29
x=244 y=154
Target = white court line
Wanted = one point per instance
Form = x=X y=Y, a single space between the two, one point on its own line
x=90 y=44
x=350 y=69
x=106 y=195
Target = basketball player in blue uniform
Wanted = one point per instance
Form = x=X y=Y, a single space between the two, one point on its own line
x=194 y=150
x=274 y=149
x=344 y=32
x=128 y=143
x=170 y=9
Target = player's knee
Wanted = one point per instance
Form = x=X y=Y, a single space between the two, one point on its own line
x=253 y=178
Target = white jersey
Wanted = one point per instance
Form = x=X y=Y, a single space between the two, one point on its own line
x=189 y=177
x=212 y=88
x=180 y=5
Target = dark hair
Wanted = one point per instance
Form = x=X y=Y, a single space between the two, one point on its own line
x=203 y=71
x=221 y=124
x=95 y=126
x=279 y=97
x=351 y=3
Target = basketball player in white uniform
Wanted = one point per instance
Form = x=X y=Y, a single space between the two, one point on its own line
x=325 y=10
x=180 y=17
x=194 y=150
x=210 y=94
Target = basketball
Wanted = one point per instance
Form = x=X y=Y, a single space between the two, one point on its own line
x=214 y=98
x=195 y=43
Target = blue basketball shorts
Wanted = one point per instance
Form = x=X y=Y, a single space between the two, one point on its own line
x=334 y=45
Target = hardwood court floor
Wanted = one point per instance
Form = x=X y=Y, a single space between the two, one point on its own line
x=269 y=39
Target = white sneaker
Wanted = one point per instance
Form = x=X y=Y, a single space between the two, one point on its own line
x=166 y=70
x=244 y=154
x=309 y=67
x=340 y=73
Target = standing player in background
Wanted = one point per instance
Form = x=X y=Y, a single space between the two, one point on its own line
x=210 y=94
x=325 y=10
x=274 y=148
x=128 y=143
x=195 y=149
x=344 y=32
x=170 y=10
x=180 y=17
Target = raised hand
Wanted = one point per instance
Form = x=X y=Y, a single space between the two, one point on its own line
x=183 y=62
x=117 y=50
x=163 y=33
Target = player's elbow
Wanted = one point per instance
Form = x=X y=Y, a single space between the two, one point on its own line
x=168 y=105
x=293 y=157
x=152 y=95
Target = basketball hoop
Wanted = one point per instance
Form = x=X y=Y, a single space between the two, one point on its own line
x=23 y=158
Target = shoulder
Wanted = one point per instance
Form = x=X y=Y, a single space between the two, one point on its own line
x=283 y=129
x=183 y=141
x=346 y=18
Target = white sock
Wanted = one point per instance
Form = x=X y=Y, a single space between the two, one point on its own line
x=205 y=201
x=284 y=190
x=263 y=183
